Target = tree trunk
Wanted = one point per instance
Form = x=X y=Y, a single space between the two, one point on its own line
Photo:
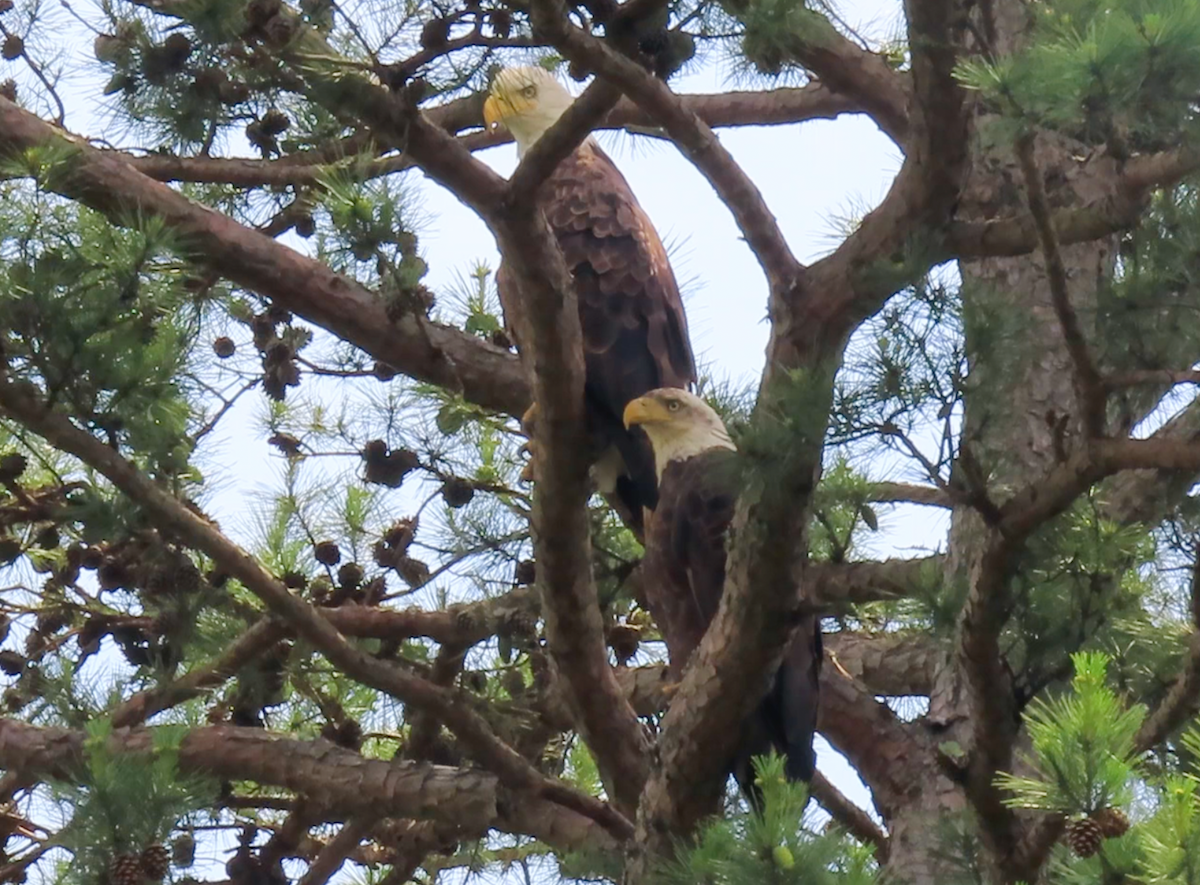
x=1021 y=417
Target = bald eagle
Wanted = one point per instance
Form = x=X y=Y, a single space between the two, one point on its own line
x=635 y=334
x=684 y=573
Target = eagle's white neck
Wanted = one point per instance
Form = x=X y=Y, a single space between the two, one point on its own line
x=676 y=444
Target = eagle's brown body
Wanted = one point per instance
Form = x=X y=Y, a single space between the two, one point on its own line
x=634 y=330
x=684 y=576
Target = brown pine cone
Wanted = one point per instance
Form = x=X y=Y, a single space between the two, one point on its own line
x=125 y=869
x=156 y=862
x=1084 y=836
x=1113 y=822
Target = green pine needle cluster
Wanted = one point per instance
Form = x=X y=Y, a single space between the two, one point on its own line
x=769 y=844
x=123 y=802
x=1083 y=743
x=1097 y=69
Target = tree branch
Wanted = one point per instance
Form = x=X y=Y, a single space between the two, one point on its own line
x=694 y=138
x=552 y=343
x=346 y=782
x=894 y=664
x=771 y=107
x=1089 y=389
x=1119 y=211
x=879 y=746
x=470 y=728
x=417 y=347
x=558 y=142
x=908 y=493
x=882 y=92
x=334 y=854
x=852 y=818
x=258 y=639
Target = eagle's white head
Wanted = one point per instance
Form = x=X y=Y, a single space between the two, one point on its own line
x=679 y=425
x=527 y=100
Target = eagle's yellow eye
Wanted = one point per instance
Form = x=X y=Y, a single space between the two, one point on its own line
x=529 y=91
x=672 y=405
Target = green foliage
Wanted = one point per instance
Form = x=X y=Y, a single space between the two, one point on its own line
x=769 y=844
x=1083 y=744
x=123 y=802
x=1079 y=575
x=1099 y=69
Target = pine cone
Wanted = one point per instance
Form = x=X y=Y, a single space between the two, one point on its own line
x=1084 y=836
x=1113 y=822
x=156 y=862
x=125 y=869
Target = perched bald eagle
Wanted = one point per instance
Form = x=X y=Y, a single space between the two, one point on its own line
x=635 y=334
x=684 y=572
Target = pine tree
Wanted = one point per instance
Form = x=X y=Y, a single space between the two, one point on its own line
x=213 y=244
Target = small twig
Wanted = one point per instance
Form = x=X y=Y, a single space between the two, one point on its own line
x=211 y=424
x=1089 y=387
x=334 y=854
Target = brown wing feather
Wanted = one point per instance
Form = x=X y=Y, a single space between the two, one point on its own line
x=685 y=577
x=634 y=327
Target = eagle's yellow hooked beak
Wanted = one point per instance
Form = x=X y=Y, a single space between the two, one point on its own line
x=644 y=410
x=493 y=113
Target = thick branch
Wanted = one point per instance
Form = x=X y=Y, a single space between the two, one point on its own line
x=881 y=748
x=553 y=349
x=470 y=728
x=886 y=663
x=419 y=348
x=345 y=782
x=1119 y=211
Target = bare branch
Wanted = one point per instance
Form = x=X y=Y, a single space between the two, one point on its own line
x=908 y=493
x=334 y=854
x=772 y=107
x=855 y=821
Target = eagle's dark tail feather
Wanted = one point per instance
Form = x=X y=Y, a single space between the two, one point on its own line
x=786 y=720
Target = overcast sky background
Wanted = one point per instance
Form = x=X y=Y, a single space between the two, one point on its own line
x=814 y=176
